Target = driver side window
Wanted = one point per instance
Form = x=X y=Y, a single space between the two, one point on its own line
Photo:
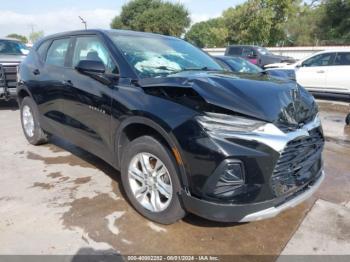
x=319 y=60
x=91 y=48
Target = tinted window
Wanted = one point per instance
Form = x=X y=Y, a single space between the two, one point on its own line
x=234 y=50
x=248 y=52
x=43 y=49
x=241 y=65
x=9 y=47
x=342 y=59
x=57 y=52
x=91 y=48
x=320 y=60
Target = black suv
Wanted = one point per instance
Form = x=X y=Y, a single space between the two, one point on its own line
x=257 y=55
x=186 y=135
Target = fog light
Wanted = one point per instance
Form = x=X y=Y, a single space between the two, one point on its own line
x=233 y=174
x=226 y=180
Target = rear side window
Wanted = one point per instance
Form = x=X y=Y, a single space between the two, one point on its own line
x=57 y=52
x=342 y=59
x=42 y=50
x=234 y=50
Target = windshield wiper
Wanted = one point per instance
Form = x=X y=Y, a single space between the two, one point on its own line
x=165 y=68
x=205 y=68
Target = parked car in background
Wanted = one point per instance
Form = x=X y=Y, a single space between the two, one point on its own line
x=257 y=55
x=324 y=72
x=12 y=52
x=187 y=135
x=240 y=65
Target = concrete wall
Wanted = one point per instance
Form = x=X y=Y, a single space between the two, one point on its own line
x=298 y=52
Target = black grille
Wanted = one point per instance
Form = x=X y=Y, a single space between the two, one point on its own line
x=298 y=164
x=8 y=75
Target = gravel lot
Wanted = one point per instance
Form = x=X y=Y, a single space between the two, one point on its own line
x=59 y=199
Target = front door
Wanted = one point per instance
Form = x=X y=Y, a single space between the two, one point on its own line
x=88 y=99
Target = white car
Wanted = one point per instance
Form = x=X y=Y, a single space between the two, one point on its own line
x=326 y=71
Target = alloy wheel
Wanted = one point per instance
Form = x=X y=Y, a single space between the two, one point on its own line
x=150 y=182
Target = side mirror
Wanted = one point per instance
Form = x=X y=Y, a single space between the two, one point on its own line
x=90 y=67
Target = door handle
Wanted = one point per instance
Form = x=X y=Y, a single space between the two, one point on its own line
x=320 y=72
x=36 y=72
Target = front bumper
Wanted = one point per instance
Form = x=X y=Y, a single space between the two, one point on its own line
x=249 y=212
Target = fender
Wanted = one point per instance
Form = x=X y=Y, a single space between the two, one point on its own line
x=168 y=136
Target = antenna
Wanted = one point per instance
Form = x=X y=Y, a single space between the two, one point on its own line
x=83 y=21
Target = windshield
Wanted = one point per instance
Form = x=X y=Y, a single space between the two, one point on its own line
x=8 y=47
x=242 y=66
x=264 y=51
x=160 y=56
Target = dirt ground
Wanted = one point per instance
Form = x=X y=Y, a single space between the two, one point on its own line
x=59 y=199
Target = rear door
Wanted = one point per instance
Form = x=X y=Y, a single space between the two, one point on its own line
x=88 y=100
x=338 y=75
x=312 y=73
x=48 y=79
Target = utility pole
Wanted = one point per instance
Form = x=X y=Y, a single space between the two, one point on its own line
x=83 y=21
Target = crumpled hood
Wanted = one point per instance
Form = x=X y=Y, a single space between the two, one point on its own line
x=259 y=96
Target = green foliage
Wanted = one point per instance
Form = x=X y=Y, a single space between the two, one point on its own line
x=153 y=16
x=334 y=24
x=35 y=36
x=211 y=33
x=300 y=35
x=259 y=21
x=21 y=38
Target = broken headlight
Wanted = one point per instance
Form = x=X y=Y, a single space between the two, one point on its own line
x=215 y=122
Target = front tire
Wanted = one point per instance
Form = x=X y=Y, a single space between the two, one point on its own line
x=30 y=122
x=150 y=180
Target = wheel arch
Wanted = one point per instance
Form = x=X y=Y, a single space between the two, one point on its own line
x=22 y=92
x=137 y=126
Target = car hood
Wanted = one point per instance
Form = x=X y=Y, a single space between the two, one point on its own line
x=11 y=58
x=258 y=96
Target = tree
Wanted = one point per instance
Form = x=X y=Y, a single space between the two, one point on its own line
x=21 y=38
x=35 y=36
x=335 y=21
x=298 y=35
x=211 y=33
x=259 y=21
x=153 y=16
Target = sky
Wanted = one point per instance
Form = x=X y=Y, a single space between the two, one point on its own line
x=52 y=16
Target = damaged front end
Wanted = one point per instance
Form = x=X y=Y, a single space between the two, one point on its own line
x=261 y=140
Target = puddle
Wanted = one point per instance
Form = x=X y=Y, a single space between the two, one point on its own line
x=54 y=175
x=82 y=180
x=45 y=186
x=69 y=160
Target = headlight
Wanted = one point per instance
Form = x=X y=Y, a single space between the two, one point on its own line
x=226 y=123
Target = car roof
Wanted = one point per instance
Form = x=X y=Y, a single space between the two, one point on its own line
x=255 y=46
x=333 y=51
x=103 y=31
x=9 y=39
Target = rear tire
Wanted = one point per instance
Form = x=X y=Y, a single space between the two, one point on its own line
x=30 y=122
x=154 y=191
